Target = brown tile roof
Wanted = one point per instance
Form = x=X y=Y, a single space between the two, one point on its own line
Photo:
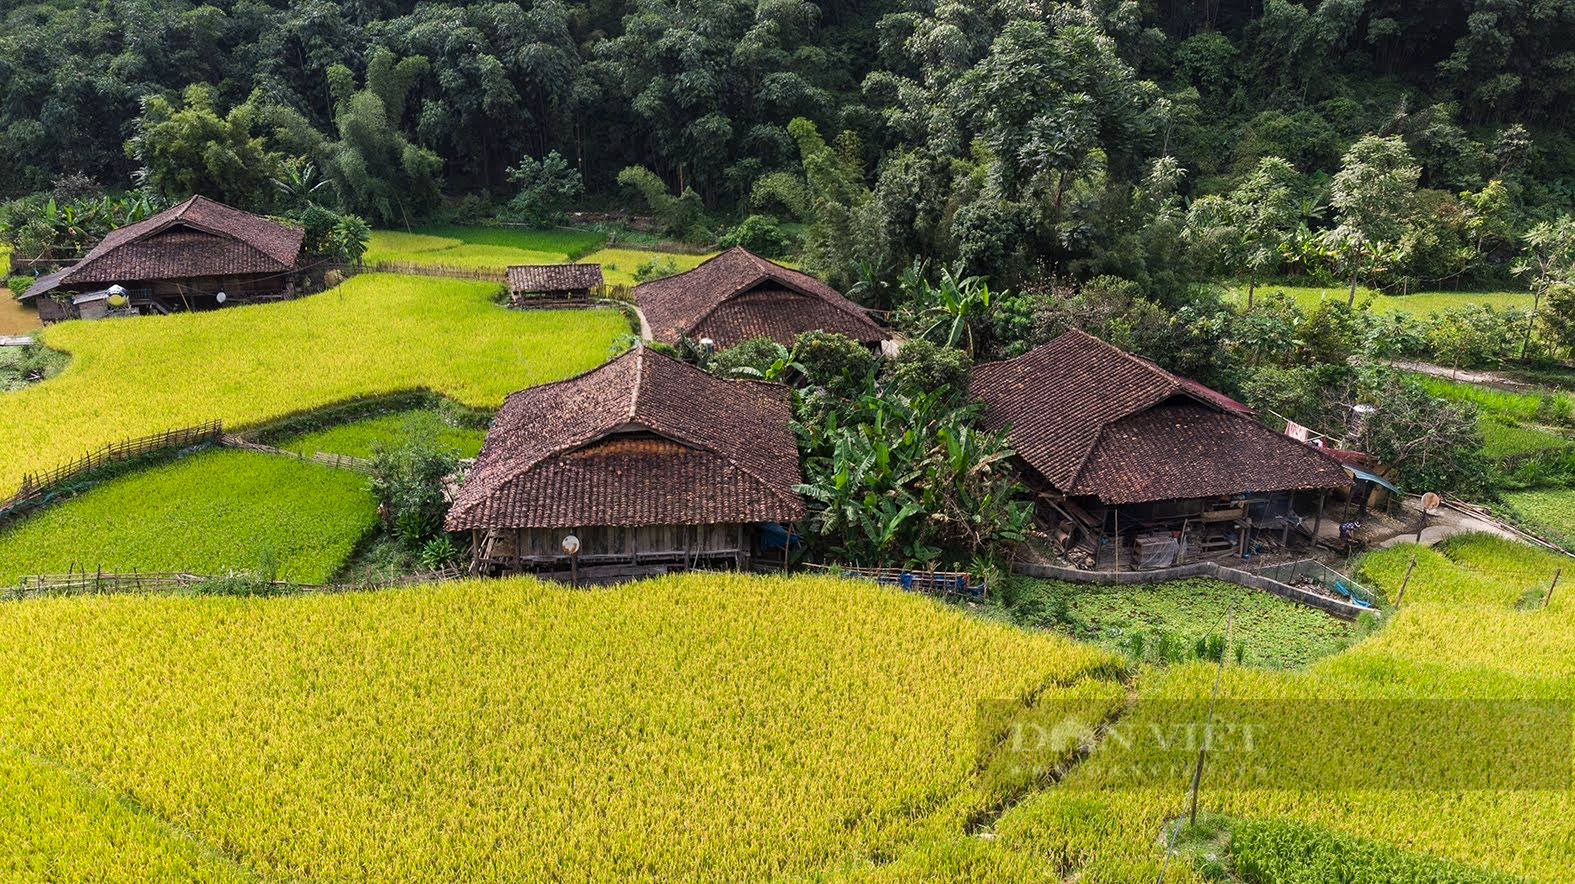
x=1191 y=450
x=739 y=295
x=1092 y=419
x=199 y=237
x=642 y=440
x=554 y=277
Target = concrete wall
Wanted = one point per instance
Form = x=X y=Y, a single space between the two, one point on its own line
x=1213 y=570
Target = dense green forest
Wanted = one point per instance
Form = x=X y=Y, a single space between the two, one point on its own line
x=1011 y=135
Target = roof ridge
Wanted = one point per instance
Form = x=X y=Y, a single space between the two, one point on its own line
x=639 y=383
x=1151 y=367
x=186 y=205
x=573 y=377
x=767 y=269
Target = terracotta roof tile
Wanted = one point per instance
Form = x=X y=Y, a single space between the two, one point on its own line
x=199 y=237
x=554 y=277
x=739 y=295
x=1076 y=408
x=1188 y=450
x=642 y=440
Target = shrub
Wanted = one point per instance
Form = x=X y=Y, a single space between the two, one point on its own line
x=19 y=284
x=675 y=215
x=754 y=358
x=760 y=234
x=408 y=479
x=331 y=235
x=1288 y=852
x=439 y=552
x=655 y=268
x=922 y=365
x=835 y=362
x=548 y=186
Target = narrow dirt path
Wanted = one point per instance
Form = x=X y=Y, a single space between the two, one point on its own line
x=1468 y=376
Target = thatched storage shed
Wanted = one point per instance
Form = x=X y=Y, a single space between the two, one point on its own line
x=533 y=285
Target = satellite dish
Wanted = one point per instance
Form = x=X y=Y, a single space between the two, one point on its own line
x=1431 y=500
x=221 y=297
x=117 y=291
x=116 y=300
x=571 y=545
x=707 y=345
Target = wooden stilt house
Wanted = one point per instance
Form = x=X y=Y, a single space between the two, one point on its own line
x=197 y=255
x=739 y=295
x=650 y=463
x=1137 y=467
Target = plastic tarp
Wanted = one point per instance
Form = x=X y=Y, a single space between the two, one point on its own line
x=1365 y=476
x=1157 y=551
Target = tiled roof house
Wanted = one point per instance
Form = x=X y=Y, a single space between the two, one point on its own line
x=184 y=256
x=647 y=460
x=739 y=295
x=1093 y=421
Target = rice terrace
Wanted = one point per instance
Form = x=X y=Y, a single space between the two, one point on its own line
x=774 y=441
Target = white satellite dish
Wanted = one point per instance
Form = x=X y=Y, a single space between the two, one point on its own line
x=1430 y=501
x=571 y=545
x=221 y=297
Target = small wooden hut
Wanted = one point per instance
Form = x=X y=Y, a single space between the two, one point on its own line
x=538 y=285
x=1135 y=466
x=197 y=255
x=739 y=295
x=652 y=464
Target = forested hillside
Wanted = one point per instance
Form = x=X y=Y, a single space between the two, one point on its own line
x=1008 y=134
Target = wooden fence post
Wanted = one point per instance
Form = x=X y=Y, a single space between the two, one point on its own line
x=1401 y=594
x=1549 y=597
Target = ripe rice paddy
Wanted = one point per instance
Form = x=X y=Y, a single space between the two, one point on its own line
x=210 y=513
x=375 y=334
x=1462 y=632
x=702 y=727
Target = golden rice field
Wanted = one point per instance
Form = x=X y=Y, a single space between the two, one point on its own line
x=374 y=334
x=1460 y=635
x=702 y=727
x=61 y=827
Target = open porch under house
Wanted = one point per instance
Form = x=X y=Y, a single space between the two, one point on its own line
x=1096 y=535
x=611 y=552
